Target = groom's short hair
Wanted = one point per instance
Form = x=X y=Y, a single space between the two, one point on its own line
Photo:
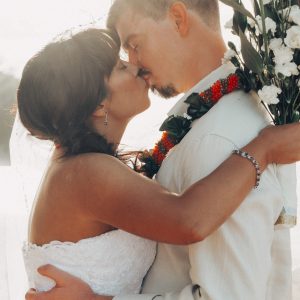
x=208 y=10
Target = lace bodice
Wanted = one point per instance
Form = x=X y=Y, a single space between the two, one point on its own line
x=112 y=263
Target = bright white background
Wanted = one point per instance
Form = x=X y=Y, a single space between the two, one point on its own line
x=25 y=26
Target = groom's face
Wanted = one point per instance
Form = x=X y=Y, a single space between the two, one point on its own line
x=152 y=46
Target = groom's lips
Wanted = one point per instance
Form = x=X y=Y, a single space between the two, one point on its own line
x=143 y=72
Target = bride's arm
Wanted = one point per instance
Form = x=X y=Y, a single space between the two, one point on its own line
x=126 y=200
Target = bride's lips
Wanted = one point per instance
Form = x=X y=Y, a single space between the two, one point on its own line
x=145 y=75
x=147 y=80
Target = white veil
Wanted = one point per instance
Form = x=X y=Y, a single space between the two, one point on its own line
x=29 y=158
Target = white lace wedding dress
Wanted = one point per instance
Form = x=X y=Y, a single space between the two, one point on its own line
x=113 y=263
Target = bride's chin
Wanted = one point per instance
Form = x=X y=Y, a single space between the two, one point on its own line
x=147 y=105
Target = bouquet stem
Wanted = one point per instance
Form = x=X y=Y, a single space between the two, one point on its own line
x=265 y=36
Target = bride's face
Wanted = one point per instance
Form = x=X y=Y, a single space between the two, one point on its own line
x=128 y=92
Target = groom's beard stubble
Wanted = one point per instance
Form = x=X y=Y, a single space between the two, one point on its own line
x=166 y=92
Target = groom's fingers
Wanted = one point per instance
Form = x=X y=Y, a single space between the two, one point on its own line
x=61 y=278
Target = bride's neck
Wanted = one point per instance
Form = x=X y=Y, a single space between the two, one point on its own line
x=113 y=131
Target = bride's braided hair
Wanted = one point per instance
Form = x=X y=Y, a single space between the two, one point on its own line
x=62 y=86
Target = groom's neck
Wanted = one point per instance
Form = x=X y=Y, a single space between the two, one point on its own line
x=205 y=56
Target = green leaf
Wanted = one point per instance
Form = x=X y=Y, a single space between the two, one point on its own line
x=176 y=125
x=256 y=7
x=295 y=2
x=252 y=59
x=286 y=82
x=193 y=100
x=239 y=21
x=232 y=46
x=238 y=7
x=296 y=117
x=235 y=62
x=271 y=13
x=297 y=57
x=271 y=70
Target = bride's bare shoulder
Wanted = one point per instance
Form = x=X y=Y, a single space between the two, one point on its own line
x=73 y=176
x=90 y=164
x=97 y=159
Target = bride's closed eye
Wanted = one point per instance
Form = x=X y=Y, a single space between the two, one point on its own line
x=122 y=65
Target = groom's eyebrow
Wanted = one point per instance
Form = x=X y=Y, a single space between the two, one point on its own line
x=125 y=44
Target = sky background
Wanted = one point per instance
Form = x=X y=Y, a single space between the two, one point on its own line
x=26 y=26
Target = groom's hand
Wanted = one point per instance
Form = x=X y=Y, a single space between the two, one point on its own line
x=67 y=287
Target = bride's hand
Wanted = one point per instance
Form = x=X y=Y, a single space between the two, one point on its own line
x=67 y=287
x=282 y=143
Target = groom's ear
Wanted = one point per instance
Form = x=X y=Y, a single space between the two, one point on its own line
x=179 y=14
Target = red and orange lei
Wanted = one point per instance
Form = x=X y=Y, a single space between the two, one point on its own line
x=176 y=127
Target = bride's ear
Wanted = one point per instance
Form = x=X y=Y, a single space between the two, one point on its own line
x=101 y=110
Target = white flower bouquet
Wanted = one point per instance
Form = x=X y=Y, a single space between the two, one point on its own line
x=268 y=63
x=270 y=54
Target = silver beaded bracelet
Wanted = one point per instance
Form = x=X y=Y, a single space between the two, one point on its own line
x=253 y=161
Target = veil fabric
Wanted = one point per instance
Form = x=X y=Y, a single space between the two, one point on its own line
x=29 y=158
x=19 y=183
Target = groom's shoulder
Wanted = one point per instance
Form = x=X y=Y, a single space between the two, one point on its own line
x=239 y=107
x=238 y=116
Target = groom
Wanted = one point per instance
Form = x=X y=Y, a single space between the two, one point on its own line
x=179 y=47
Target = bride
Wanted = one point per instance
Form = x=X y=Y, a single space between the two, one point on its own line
x=79 y=94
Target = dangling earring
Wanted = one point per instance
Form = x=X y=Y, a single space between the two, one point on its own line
x=106 y=119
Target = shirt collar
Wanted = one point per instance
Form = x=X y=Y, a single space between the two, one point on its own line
x=222 y=72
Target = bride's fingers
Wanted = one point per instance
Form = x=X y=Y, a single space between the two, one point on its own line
x=61 y=278
x=50 y=295
x=30 y=295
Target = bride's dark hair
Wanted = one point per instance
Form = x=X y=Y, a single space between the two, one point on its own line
x=62 y=86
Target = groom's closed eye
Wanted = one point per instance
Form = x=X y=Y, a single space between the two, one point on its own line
x=128 y=42
x=143 y=72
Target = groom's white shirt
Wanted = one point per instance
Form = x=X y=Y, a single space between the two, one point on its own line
x=246 y=258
